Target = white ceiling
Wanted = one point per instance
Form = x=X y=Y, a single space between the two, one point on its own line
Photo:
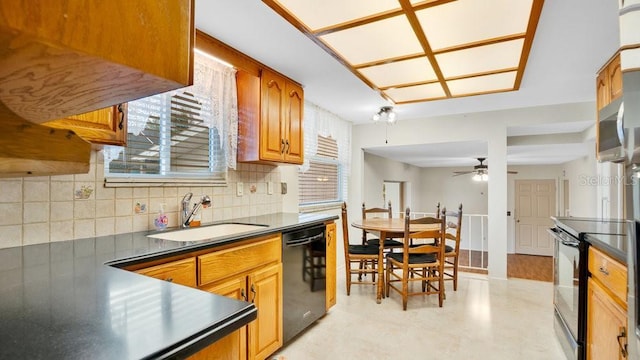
x=574 y=38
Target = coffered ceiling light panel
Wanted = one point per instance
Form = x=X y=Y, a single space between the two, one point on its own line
x=400 y=72
x=482 y=84
x=488 y=58
x=412 y=51
x=415 y=93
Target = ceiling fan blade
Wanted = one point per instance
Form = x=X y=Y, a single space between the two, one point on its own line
x=512 y=172
x=457 y=173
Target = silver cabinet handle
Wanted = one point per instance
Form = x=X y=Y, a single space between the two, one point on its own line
x=604 y=270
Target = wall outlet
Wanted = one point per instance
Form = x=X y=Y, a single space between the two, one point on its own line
x=283 y=188
x=240 y=189
x=269 y=187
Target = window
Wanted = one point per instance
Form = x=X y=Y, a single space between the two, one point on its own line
x=178 y=136
x=321 y=182
x=324 y=176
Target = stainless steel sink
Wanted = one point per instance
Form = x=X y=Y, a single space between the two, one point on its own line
x=207 y=232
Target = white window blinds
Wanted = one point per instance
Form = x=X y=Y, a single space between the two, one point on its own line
x=321 y=182
x=327 y=154
x=177 y=136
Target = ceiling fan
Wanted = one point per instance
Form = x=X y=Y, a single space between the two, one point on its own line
x=480 y=171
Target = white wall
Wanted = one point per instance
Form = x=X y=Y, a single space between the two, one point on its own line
x=440 y=186
x=378 y=170
x=582 y=195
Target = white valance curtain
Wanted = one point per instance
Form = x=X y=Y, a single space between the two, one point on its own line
x=318 y=121
x=217 y=82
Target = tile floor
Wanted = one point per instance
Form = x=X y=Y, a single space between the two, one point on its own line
x=484 y=319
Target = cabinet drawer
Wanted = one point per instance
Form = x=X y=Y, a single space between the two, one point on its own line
x=235 y=260
x=181 y=272
x=611 y=273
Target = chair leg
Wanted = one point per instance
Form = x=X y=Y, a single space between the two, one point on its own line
x=441 y=288
x=387 y=278
x=373 y=274
x=405 y=289
x=455 y=274
x=347 y=266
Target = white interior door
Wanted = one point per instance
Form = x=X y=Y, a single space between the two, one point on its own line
x=535 y=204
x=393 y=193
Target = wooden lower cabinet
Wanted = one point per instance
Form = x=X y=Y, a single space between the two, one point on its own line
x=606 y=307
x=251 y=271
x=265 y=290
x=181 y=272
x=260 y=282
x=234 y=345
x=606 y=325
x=331 y=240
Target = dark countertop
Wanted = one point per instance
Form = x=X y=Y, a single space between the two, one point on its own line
x=607 y=235
x=613 y=245
x=60 y=301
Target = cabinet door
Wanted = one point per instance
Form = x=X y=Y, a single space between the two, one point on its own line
x=294 y=139
x=614 y=72
x=272 y=131
x=331 y=238
x=234 y=345
x=265 y=290
x=606 y=325
x=602 y=89
x=106 y=126
x=181 y=272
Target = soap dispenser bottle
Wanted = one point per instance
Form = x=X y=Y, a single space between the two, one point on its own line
x=161 y=221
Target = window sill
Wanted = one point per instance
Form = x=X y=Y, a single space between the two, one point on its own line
x=335 y=205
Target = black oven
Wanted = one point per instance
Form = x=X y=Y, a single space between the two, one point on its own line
x=570 y=277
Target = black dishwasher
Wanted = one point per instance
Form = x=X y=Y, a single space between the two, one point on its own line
x=303 y=275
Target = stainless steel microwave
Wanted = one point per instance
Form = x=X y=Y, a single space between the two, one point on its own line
x=611 y=132
x=618 y=133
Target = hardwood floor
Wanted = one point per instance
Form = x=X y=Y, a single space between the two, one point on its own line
x=530 y=267
x=519 y=266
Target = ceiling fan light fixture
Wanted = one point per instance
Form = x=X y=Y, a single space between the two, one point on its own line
x=385 y=113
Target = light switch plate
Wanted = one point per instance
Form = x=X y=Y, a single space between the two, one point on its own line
x=240 y=189
x=269 y=187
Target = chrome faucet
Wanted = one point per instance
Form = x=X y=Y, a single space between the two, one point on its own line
x=186 y=215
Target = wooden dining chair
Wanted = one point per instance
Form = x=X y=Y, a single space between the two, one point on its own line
x=364 y=255
x=389 y=243
x=452 y=246
x=420 y=262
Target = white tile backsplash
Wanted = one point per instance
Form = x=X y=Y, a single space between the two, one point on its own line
x=10 y=191
x=10 y=213
x=44 y=209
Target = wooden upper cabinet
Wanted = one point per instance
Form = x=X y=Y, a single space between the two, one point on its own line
x=61 y=58
x=106 y=126
x=272 y=124
x=294 y=138
x=609 y=82
x=602 y=89
x=615 y=78
x=270 y=109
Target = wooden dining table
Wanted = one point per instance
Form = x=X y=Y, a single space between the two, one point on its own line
x=388 y=228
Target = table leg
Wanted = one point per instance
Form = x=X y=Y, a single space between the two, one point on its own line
x=381 y=274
